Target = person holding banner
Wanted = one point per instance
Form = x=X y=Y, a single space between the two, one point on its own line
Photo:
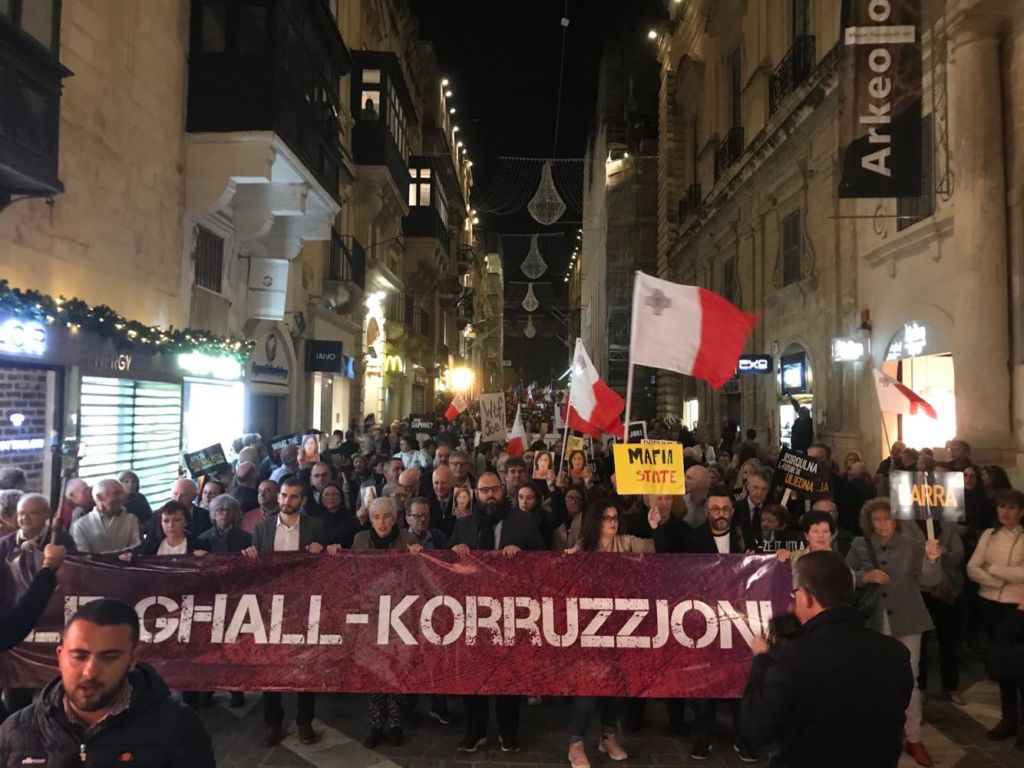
x=600 y=533
x=901 y=567
x=997 y=567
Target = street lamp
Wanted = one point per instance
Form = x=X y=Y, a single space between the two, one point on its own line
x=462 y=379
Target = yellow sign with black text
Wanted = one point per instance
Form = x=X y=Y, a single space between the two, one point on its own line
x=649 y=468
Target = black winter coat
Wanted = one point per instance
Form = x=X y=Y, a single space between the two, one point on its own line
x=156 y=731
x=804 y=696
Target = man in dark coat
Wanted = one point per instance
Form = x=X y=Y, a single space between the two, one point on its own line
x=107 y=708
x=803 y=694
x=492 y=526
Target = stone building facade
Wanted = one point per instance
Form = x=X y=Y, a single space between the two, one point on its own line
x=749 y=127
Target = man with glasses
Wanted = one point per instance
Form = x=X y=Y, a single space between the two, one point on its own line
x=717 y=536
x=442 y=513
x=494 y=526
x=460 y=464
x=804 y=693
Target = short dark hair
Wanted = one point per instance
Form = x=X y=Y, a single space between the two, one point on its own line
x=292 y=482
x=515 y=461
x=1008 y=497
x=824 y=446
x=827 y=577
x=175 y=508
x=719 y=490
x=751 y=434
x=108 y=612
x=813 y=518
x=778 y=512
x=417 y=500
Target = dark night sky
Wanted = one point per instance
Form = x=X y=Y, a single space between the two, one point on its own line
x=503 y=62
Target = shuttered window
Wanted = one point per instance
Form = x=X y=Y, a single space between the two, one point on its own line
x=792 y=249
x=134 y=425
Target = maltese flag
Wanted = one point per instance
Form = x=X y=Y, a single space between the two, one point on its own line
x=457 y=406
x=896 y=397
x=687 y=329
x=517 y=439
x=594 y=407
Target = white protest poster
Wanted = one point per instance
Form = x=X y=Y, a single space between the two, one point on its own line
x=492 y=417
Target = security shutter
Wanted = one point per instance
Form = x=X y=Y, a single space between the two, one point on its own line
x=134 y=425
x=419 y=393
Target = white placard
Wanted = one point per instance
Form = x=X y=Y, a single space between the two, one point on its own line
x=492 y=417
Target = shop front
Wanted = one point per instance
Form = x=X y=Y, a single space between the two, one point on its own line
x=271 y=367
x=796 y=383
x=919 y=356
x=70 y=390
x=333 y=372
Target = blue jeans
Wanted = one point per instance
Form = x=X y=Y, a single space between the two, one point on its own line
x=581 y=709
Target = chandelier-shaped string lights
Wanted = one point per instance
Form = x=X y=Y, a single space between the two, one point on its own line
x=546 y=207
x=519 y=181
x=530 y=330
x=530 y=303
x=533 y=265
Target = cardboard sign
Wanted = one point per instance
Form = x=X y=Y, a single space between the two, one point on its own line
x=648 y=468
x=935 y=495
x=574 y=444
x=309 y=452
x=799 y=472
x=637 y=432
x=279 y=442
x=206 y=460
x=422 y=424
x=492 y=417
x=543 y=462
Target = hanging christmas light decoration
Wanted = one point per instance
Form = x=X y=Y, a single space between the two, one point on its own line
x=533 y=265
x=530 y=330
x=547 y=206
x=530 y=303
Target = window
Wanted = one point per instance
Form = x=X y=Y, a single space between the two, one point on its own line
x=213 y=28
x=371 y=95
x=730 y=283
x=209 y=259
x=910 y=210
x=396 y=120
x=801 y=19
x=792 y=249
x=735 y=76
x=419 y=186
x=39 y=19
x=695 y=143
x=252 y=29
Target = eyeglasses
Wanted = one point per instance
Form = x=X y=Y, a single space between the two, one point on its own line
x=610 y=518
x=574 y=498
x=489 y=489
x=416 y=515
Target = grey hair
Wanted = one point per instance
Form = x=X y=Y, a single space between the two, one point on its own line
x=108 y=483
x=386 y=505
x=28 y=498
x=229 y=502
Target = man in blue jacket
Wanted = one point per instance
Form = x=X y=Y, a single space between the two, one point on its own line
x=106 y=708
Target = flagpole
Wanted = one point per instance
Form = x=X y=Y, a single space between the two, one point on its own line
x=565 y=431
x=629 y=374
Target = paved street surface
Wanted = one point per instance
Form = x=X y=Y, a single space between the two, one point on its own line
x=954 y=735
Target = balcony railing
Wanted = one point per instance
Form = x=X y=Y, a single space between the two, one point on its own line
x=209 y=311
x=689 y=202
x=729 y=150
x=794 y=68
x=346 y=261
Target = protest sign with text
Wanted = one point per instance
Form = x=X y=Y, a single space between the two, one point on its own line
x=206 y=460
x=574 y=443
x=492 y=417
x=797 y=471
x=637 y=432
x=927 y=495
x=629 y=625
x=649 y=468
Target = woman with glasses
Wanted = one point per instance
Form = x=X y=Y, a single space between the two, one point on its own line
x=901 y=566
x=600 y=533
x=567 y=535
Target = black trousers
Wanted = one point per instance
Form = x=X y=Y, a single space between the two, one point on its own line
x=706 y=715
x=994 y=615
x=947 y=618
x=506 y=709
x=273 y=712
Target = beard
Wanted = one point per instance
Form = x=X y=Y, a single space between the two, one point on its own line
x=491 y=510
x=720 y=526
x=91 y=697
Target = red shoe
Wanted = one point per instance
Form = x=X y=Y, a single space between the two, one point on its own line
x=917 y=751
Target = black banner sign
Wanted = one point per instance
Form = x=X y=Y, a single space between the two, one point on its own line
x=927 y=495
x=757 y=365
x=206 y=460
x=279 y=442
x=637 y=432
x=421 y=424
x=880 y=102
x=799 y=472
x=325 y=356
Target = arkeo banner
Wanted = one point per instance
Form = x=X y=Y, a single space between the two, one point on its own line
x=880 y=99
x=536 y=623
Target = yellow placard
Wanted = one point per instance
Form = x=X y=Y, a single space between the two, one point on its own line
x=575 y=444
x=649 y=468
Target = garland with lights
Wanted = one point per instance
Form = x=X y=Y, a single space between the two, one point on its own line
x=126 y=334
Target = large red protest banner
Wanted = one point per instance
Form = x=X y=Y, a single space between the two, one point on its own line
x=535 y=623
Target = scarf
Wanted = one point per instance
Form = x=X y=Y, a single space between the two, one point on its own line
x=385 y=542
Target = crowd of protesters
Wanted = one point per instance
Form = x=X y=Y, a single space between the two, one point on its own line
x=386 y=489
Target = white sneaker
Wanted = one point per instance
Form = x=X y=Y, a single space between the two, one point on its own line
x=610 y=746
x=578 y=755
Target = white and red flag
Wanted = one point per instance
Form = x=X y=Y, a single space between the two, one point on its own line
x=687 y=329
x=896 y=397
x=458 y=405
x=517 y=440
x=594 y=407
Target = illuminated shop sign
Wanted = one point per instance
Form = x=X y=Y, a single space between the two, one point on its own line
x=210 y=366
x=848 y=350
x=912 y=341
x=22 y=337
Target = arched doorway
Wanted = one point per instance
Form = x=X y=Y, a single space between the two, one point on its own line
x=919 y=357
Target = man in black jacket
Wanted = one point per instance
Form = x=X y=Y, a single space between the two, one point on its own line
x=18 y=620
x=803 y=695
x=107 y=708
x=492 y=526
x=718 y=536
